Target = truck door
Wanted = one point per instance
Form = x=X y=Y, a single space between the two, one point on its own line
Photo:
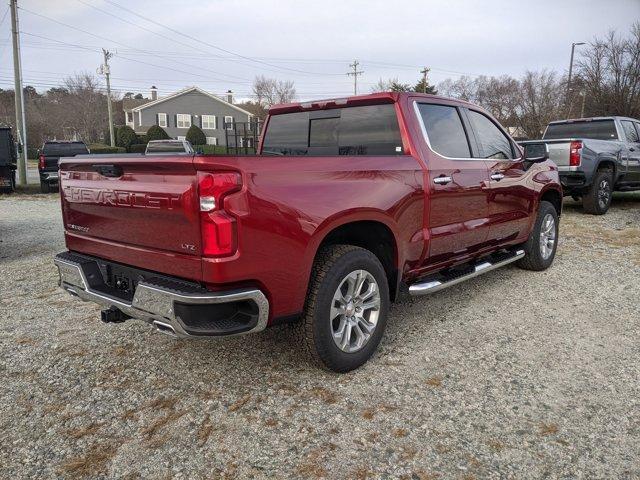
x=456 y=185
x=632 y=133
x=510 y=199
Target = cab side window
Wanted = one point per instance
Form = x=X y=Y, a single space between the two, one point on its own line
x=445 y=132
x=630 y=132
x=491 y=141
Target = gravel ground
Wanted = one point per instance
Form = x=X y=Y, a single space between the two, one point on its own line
x=511 y=375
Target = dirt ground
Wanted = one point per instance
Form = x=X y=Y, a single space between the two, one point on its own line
x=511 y=375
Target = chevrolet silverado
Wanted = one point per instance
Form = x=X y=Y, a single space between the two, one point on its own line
x=349 y=203
x=595 y=157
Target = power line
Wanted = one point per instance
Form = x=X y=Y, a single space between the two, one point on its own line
x=139 y=61
x=127 y=46
x=200 y=41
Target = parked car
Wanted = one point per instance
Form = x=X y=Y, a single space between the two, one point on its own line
x=349 y=203
x=8 y=161
x=48 y=159
x=168 y=147
x=595 y=156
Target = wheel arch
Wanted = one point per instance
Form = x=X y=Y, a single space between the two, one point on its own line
x=553 y=195
x=372 y=231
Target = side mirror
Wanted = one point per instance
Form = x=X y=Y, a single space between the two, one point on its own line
x=536 y=152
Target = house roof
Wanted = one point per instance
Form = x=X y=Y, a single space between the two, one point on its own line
x=131 y=103
x=189 y=90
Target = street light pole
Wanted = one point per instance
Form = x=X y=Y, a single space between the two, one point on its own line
x=573 y=48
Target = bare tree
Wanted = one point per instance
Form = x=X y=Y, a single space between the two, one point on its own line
x=609 y=74
x=269 y=91
x=538 y=102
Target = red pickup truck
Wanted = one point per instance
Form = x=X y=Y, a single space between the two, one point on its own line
x=349 y=203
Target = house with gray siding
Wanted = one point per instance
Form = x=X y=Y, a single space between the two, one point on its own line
x=175 y=113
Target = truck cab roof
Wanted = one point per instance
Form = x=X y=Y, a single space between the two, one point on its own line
x=356 y=100
x=591 y=119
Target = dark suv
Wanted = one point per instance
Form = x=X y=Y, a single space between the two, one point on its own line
x=48 y=160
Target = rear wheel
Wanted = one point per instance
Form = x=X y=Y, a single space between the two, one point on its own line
x=347 y=307
x=540 y=248
x=597 y=199
x=12 y=183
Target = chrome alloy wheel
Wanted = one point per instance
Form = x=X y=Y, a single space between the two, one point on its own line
x=354 y=311
x=604 y=194
x=547 y=236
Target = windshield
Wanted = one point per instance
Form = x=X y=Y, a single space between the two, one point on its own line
x=595 y=129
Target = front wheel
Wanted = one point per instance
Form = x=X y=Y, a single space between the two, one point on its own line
x=540 y=248
x=347 y=307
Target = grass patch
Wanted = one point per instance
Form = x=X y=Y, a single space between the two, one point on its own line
x=91 y=464
x=548 y=429
x=80 y=432
x=327 y=396
x=237 y=405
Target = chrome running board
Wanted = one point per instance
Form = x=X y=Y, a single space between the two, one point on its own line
x=439 y=282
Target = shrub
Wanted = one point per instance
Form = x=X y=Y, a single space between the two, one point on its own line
x=99 y=148
x=196 y=136
x=137 y=148
x=156 y=133
x=126 y=137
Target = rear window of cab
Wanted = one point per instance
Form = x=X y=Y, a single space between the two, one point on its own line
x=365 y=130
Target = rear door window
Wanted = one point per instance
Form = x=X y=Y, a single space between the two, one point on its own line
x=445 y=132
x=491 y=141
x=630 y=131
x=366 y=130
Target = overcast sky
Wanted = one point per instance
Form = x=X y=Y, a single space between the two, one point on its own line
x=309 y=42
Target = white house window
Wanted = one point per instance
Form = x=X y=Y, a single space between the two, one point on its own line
x=183 y=120
x=212 y=141
x=181 y=137
x=209 y=123
x=129 y=118
x=162 y=120
x=229 y=122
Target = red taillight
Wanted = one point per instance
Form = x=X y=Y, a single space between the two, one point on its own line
x=41 y=162
x=574 y=153
x=219 y=235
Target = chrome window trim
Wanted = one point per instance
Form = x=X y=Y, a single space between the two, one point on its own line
x=426 y=136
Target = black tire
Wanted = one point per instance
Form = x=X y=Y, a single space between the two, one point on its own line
x=597 y=199
x=45 y=187
x=331 y=266
x=11 y=187
x=534 y=259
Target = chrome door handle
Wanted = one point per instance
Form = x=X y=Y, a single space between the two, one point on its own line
x=497 y=176
x=442 y=180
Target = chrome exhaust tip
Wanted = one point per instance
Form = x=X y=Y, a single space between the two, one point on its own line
x=165 y=328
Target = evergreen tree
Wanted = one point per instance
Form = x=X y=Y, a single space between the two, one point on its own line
x=156 y=133
x=196 y=136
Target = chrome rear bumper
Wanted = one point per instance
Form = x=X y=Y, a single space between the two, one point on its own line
x=160 y=303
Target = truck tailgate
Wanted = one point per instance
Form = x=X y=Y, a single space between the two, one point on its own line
x=559 y=152
x=139 y=210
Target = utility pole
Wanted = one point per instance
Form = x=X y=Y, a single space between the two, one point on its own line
x=104 y=70
x=424 y=72
x=355 y=74
x=19 y=100
x=568 y=100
